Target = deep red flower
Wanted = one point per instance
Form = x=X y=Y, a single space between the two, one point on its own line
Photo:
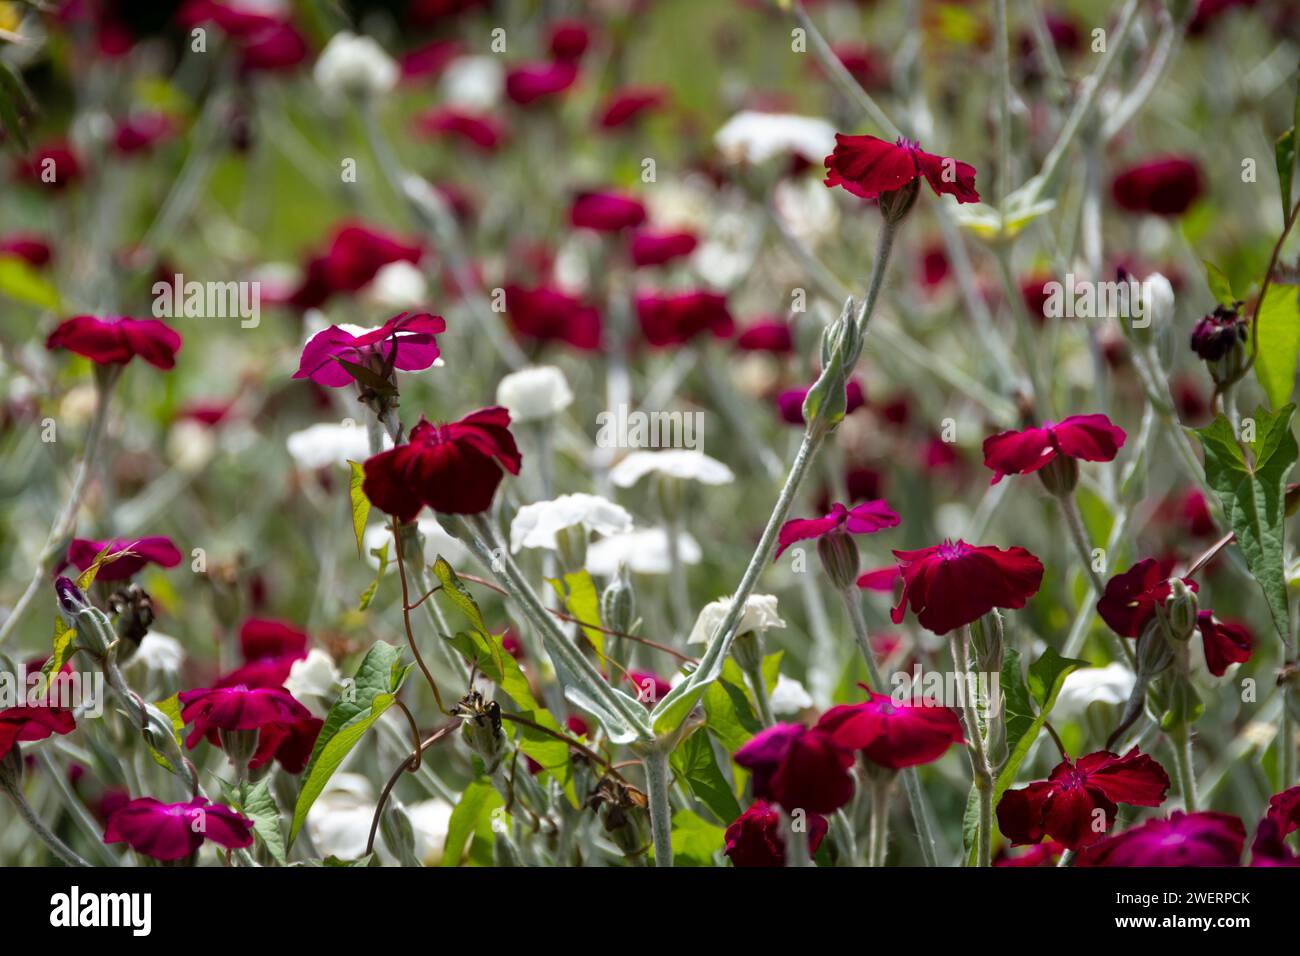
x=429 y=60
x=650 y=248
x=205 y=411
x=1282 y=819
x=789 y=404
x=117 y=339
x=577 y=726
x=451 y=468
x=155 y=549
x=893 y=734
x=568 y=40
x=1196 y=512
x=28 y=246
x=214 y=709
x=140 y=133
x=866 y=518
x=676 y=318
x=1064 y=806
x=1225 y=642
x=865 y=64
x=529 y=82
x=628 y=104
x=649 y=687
x=606 y=211
x=27 y=723
x=1217 y=334
x=950 y=585
x=799 y=768
x=261 y=637
x=867 y=166
x=410 y=340
x=172 y=831
x=1047 y=853
x=1130 y=598
x=1083 y=437
x=1164 y=186
x=55 y=166
x=546 y=314
x=1183 y=839
x=767 y=335
x=355 y=254
x=480 y=130
x=756 y=837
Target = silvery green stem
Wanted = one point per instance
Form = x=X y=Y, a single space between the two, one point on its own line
x=1286 y=742
x=878 y=842
x=657 y=775
x=980 y=769
x=1180 y=742
x=1171 y=37
x=37 y=825
x=1024 y=333
x=1079 y=536
x=759 y=686
x=796 y=844
x=78 y=809
x=678 y=596
x=831 y=63
x=1002 y=54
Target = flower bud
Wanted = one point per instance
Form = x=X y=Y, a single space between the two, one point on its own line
x=839 y=556
x=1154 y=655
x=897 y=203
x=1182 y=704
x=481 y=728
x=1060 y=475
x=399 y=834
x=134 y=609
x=11 y=768
x=987 y=637
x=618 y=602
x=747 y=649
x=571 y=547
x=1220 y=340
x=239 y=746
x=1180 y=611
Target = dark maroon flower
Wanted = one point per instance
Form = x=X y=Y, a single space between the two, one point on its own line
x=117 y=339
x=1196 y=512
x=1225 y=642
x=867 y=167
x=154 y=549
x=530 y=82
x=261 y=638
x=54 y=165
x=950 y=585
x=577 y=726
x=407 y=340
x=1218 y=333
x=546 y=314
x=865 y=64
x=790 y=402
x=28 y=246
x=1083 y=437
x=1047 y=853
x=482 y=131
x=628 y=104
x=568 y=40
x=676 y=318
x=1183 y=839
x=893 y=734
x=756 y=837
x=355 y=255
x=799 y=768
x=173 y=831
x=1064 y=806
x=767 y=335
x=1164 y=186
x=606 y=211
x=454 y=469
x=1130 y=598
x=140 y=133
x=28 y=723
x=650 y=248
x=428 y=61
x=866 y=518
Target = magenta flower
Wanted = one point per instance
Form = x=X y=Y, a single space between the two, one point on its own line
x=676 y=318
x=866 y=518
x=892 y=734
x=155 y=549
x=530 y=82
x=790 y=402
x=568 y=39
x=951 y=585
x=606 y=211
x=628 y=104
x=53 y=166
x=867 y=167
x=880 y=579
x=756 y=837
x=1064 y=806
x=799 y=768
x=1083 y=437
x=355 y=255
x=767 y=335
x=650 y=248
x=173 y=831
x=28 y=246
x=140 y=133
x=28 y=723
x=407 y=341
x=649 y=687
x=482 y=131
x=1282 y=819
x=546 y=314
x=1047 y=853
x=213 y=709
x=117 y=339
x=1183 y=839
x=1163 y=186
x=270 y=649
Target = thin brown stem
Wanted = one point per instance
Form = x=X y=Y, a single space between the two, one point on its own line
x=406 y=621
x=411 y=764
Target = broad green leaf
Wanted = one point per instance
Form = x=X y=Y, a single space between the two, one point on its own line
x=1284 y=155
x=360 y=704
x=471 y=816
x=1253 y=495
x=1219 y=285
x=577 y=592
x=368 y=594
x=728 y=713
x=256 y=803
x=696 y=842
x=458 y=594
x=1279 y=342
x=693 y=761
x=360 y=503
x=21 y=282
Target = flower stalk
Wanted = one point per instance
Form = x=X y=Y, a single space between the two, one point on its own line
x=981 y=771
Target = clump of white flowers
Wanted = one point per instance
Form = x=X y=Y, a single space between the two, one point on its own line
x=352 y=65
x=534 y=393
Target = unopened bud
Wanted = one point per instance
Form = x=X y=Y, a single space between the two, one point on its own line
x=839 y=556
x=11 y=768
x=987 y=637
x=1182 y=704
x=618 y=602
x=1180 y=608
x=571 y=544
x=239 y=746
x=747 y=649
x=897 y=203
x=1154 y=655
x=1060 y=475
x=481 y=728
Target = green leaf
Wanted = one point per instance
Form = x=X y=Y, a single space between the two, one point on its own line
x=171 y=707
x=694 y=762
x=1253 y=495
x=459 y=595
x=61 y=646
x=577 y=592
x=1219 y=285
x=472 y=816
x=695 y=841
x=369 y=378
x=1278 y=328
x=258 y=805
x=360 y=503
x=368 y=594
x=21 y=282
x=15 y=102
x=1284 y=155
x=728 y=713
x=360 y=704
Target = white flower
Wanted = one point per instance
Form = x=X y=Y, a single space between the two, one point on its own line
x=473 y=83
x=644 y=552
x=789 y=696
x=757 y=137
x=354 y=65
x=191 y=445
x=534 y=393
x=676 y=463
x=1158 y=300
x=1112 y=684
x=339 y=820
x=312 y=681
x=328 y=444
x=159 y=653
x=437 y=542
x=536 y=525
x=430 y=819
x=398 y=285
x=760 y=615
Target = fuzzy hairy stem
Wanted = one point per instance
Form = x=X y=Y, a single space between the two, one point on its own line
x=38 y=827
x=658 y=776
x=982 y=773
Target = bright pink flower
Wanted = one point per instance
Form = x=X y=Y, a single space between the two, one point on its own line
x=54 y=166
x=173 y=831
x=767 y=335
x=880 y=579
x=407 y=340
x=577 y=726
x=454 y=469
x=140 y=133
x=1083 y=437
x=676 y=318
x=214 y=709
x=546 y=314
x=1164 y=186
x=1064 y=805
x=154 y=549
x=1225 y=642
x=1183 y=839
x=606 y=211
x=799 y=768
x=261 y=638
x=950 y=585
x=1269 y=847
x=117 y=339
x=650 y=248
x=649 y=687
x=1047 y=853
x=756 y=838
x=627 y=104
x=265 y=42
x=28 y=246
x=867 y=166
x=891 y=734
x=1130 y=598
x=866 y=518
x=480 y=130
x=356 y=253
x=27 y=723
x=530 y=82
x=568 y=40
x=209 y=412
x=428 y=61
x=790 y=402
